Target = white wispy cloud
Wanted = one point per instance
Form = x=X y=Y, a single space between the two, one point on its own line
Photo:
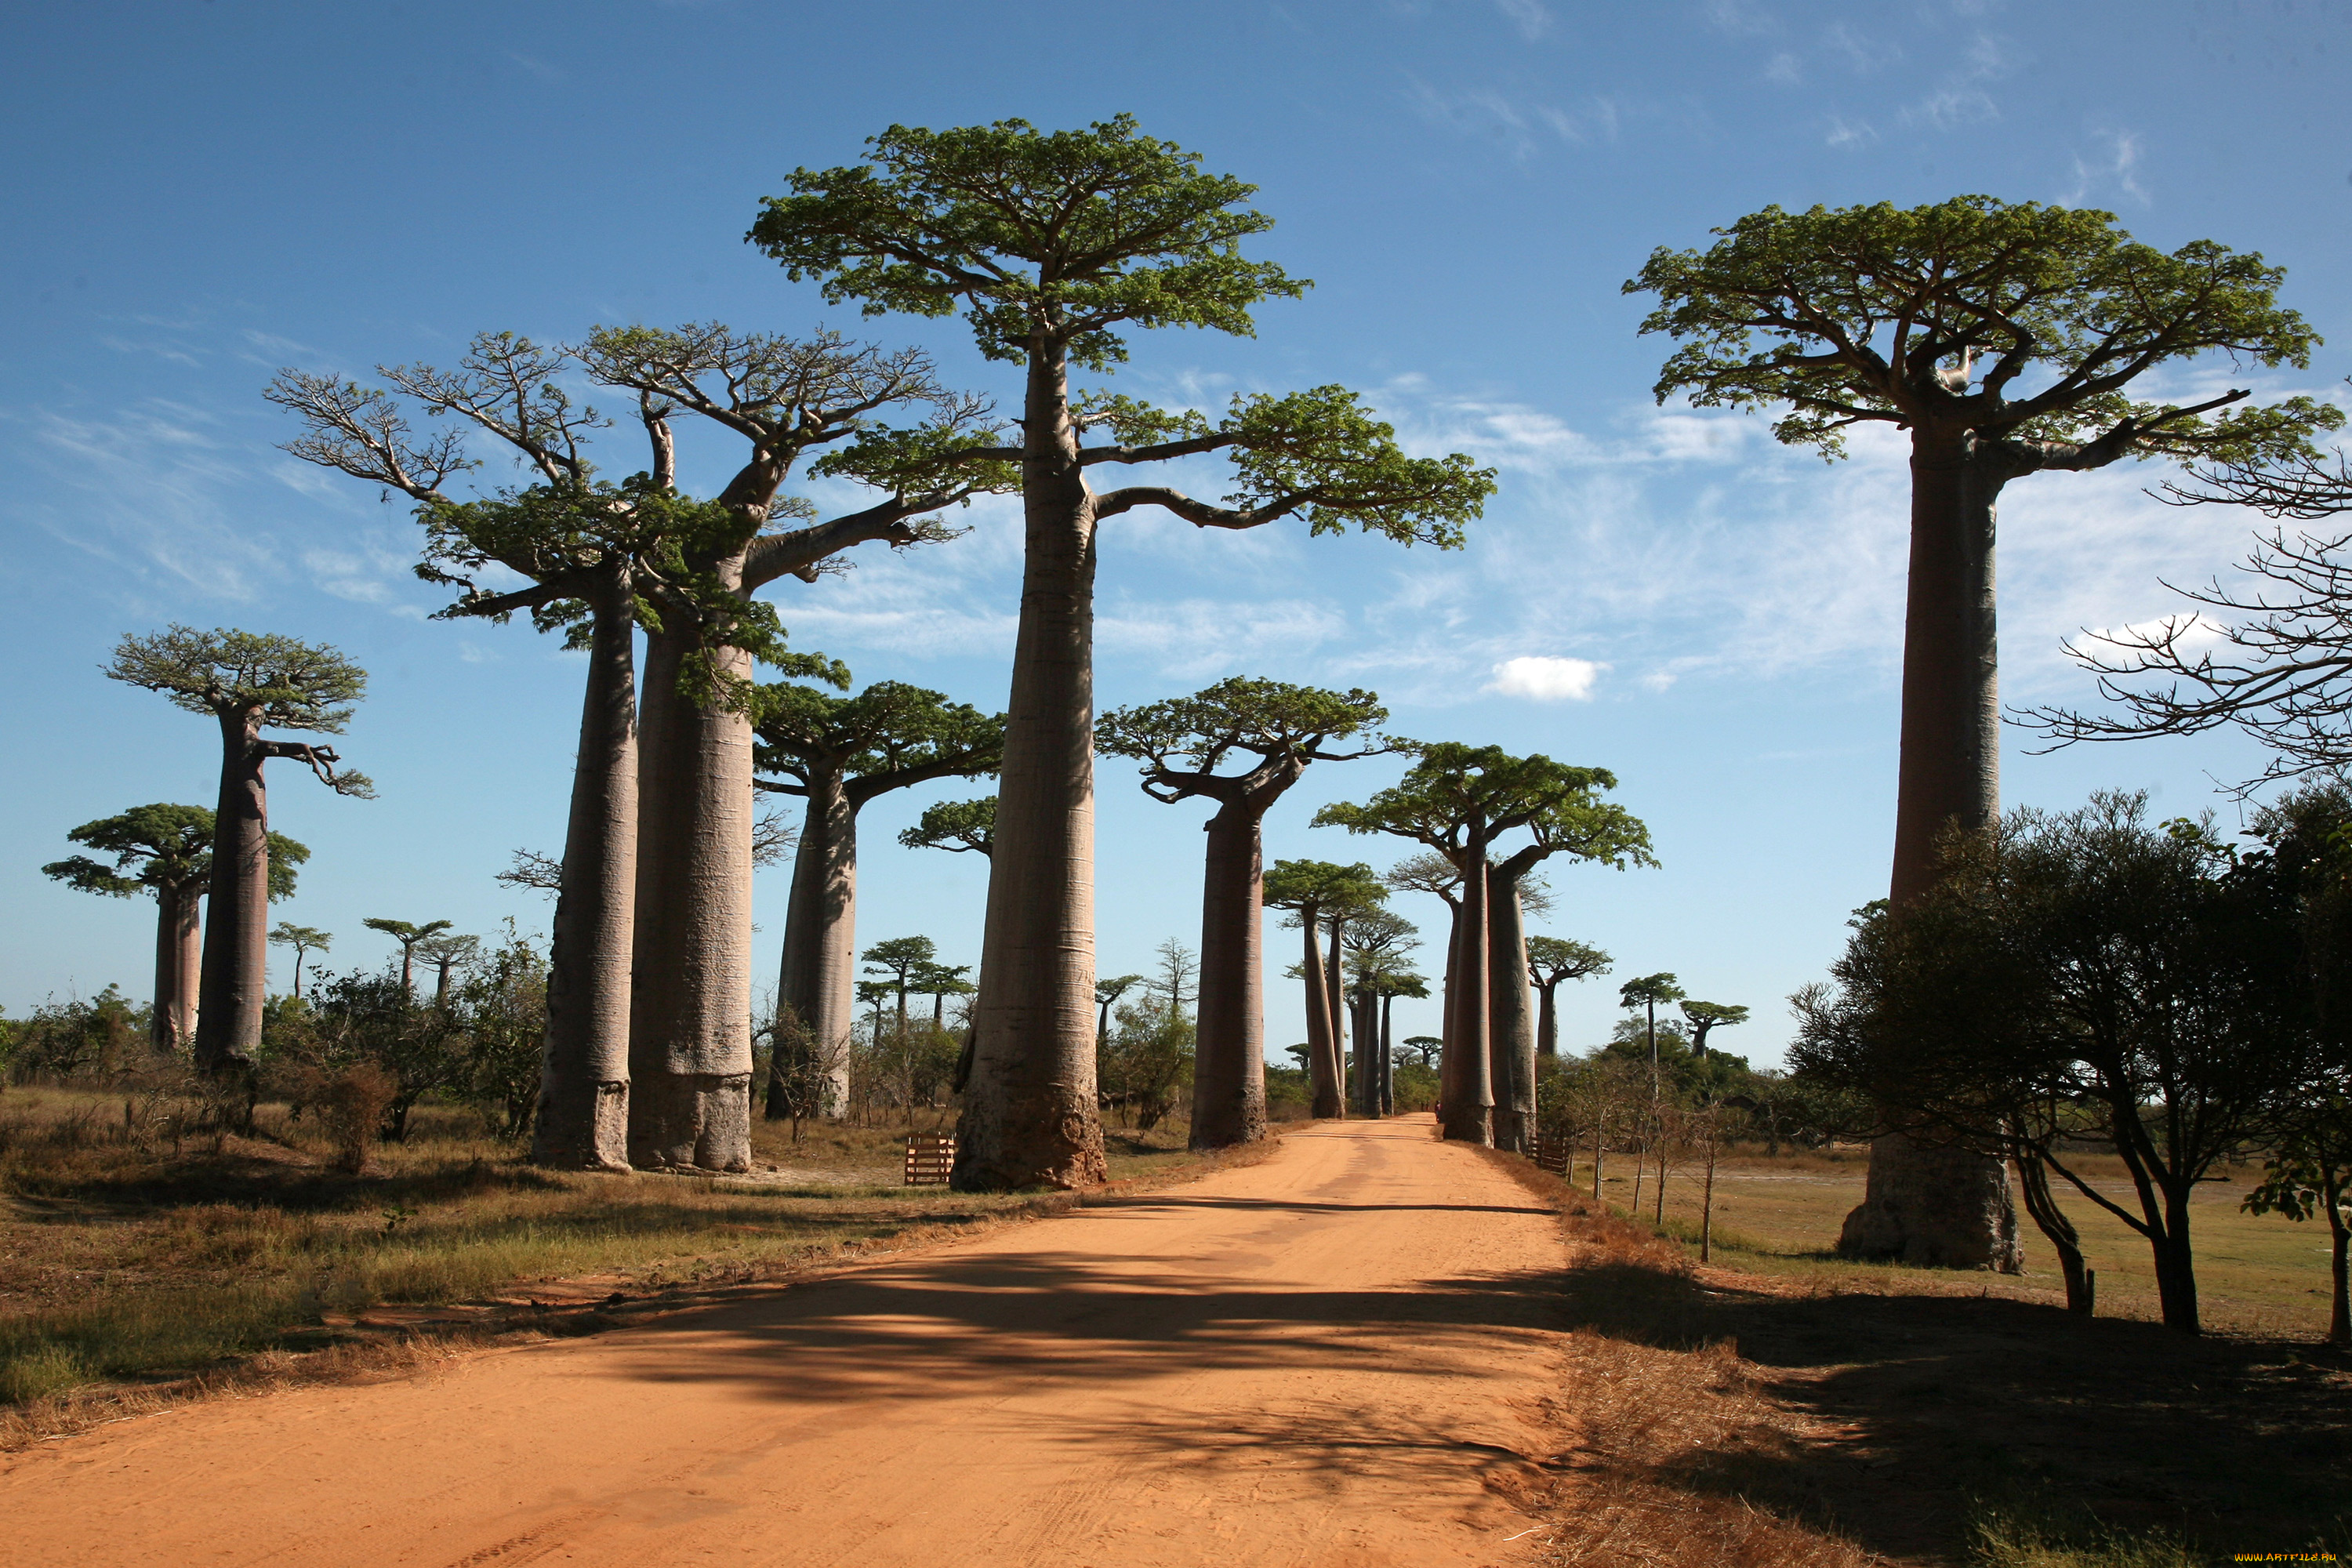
x=1527 y=16
x=2114 y=167
x=1961 y=99
x=1850 y=134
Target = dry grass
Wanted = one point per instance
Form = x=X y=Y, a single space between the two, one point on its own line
x=1722 y=1415
x=2263 y=1276
x=136 y=1266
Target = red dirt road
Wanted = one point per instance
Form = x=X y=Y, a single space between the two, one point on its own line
x=1329 y=1357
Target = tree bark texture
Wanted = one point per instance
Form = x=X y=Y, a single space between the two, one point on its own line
x=1330 y=1083
x=1229 y=1060
x=1548 y=1020
x=690 y=995
x=1321 y=1025
x=1926 y=1203
x=1368 y=1053
x=1511 y=1024
x=819 y=981
x=236 y=963
x=1030 y=1111
x=179 y=958
x=1388 y=1055
x=583 y=1123
x=1469 y=1086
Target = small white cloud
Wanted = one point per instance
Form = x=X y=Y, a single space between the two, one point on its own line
x=2116 y=168
x=1781 y=69
x=1546 y=679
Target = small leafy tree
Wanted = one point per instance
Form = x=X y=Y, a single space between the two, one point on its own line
x=839 y=753
x=1553 y=960
x=303 y=940
x=1272 y=731
x=246 y=683
x=1709 y=1017
x=409 y=938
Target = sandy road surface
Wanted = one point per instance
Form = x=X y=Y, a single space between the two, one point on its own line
x=1324 y=1359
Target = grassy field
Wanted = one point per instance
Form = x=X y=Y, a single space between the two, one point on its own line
x=2263 y=1276
x=130 y=1259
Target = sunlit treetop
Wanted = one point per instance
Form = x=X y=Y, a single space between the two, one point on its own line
x=2022 y=321
x=1066 y=235
x=288 y=685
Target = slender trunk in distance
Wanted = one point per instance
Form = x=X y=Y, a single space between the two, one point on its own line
x=1321 y=1088
x=1334 y=1007
x=1548 y=1020
x=179 y=957
x=1229 y=1061
x=1030 y=1115
x=583 y=1122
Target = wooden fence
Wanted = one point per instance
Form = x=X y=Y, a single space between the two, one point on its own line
x=930 y=1157
x=1554 y=1154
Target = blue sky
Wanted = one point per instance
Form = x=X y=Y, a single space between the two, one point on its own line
x=196 y=194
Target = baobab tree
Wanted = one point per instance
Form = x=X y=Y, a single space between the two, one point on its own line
x=167 y=851
x=409 y=937
x=1459 y=800
x=303 y=940
x=1583 y=828
x=1054 y=245
x=444 y=953
x=1377 y=942
x=1706 y=1018
x=837 y=753
x=939 y=982
x=2004 y=340
x=1312 y=890
x=245 y=682
x=956 y=827
x=690 y=1032
x=1106 y=995
x=596 y=555
x=1552 y=961
x=1272 y=731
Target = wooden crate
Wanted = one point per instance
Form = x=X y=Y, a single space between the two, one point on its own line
x=930 y=1157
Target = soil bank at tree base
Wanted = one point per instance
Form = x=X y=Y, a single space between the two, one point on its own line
x=1338 y=1356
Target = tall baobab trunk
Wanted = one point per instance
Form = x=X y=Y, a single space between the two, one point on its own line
x=1388 y=1056
x=690 y=995
x=1368 y=1053
x=236 y=963
x=1322 y=1086
x=1229 y=1057
x=1511 y=1037
x=1927 y=1202
x=582 y=1121
x=1030 y=1115
x=178 y=956
x=1548 y=1020
x=1468 y=1084
x=819 y=981
x=1330 y=1085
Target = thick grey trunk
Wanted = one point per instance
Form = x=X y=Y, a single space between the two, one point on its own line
x=1548 y=1020
x=1926 y=1203
x=690 y=995
x=1388 y=1056
x=1469 y=1092
x=583 y=1122
x=1511 y=1024
x=1229 y=1060
x=1030 y=1113
x=1368 y=1054
x=1319 y=1010
x=236 y=972
x=819 y=981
